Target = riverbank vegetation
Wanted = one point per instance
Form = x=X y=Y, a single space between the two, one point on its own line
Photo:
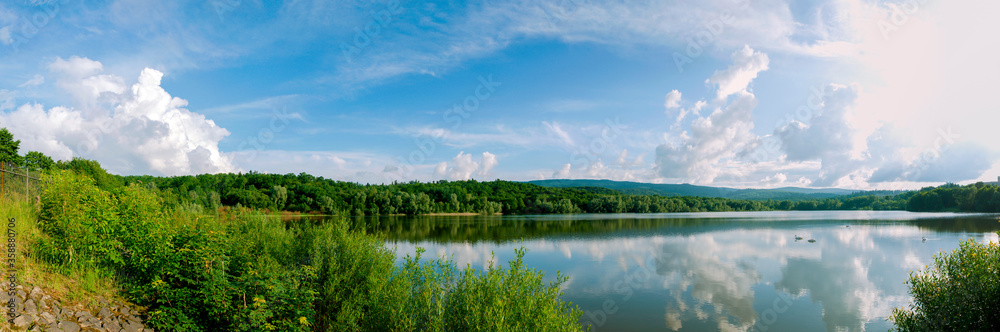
x=958 y=292
x=240 y=269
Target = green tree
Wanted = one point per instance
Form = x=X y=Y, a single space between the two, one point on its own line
x=9 y=147
x=280 y=195
x=35 y=161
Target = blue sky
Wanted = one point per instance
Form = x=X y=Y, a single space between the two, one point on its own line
x=847 y=93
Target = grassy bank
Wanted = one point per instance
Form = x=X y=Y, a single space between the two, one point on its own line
x=238 y=269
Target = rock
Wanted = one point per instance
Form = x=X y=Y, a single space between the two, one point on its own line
x=133 y=327
x=111 y=326
x=54 y=329
x=23 y=321
x=30 y=307
x=20 y=293
x=36 y=293
x=134 y=319
x=105 y=313
x=42 y=304
x=124 y=311
x=69 y=326
x=49 y=318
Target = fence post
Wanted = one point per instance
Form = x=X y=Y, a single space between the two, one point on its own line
x=27 y=180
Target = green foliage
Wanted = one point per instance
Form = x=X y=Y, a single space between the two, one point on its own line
x=93 y=170
x=36 y=161
x=978 y=197
x=244 y=270
x=89 y=227
x=959 y=292
x=9 y=147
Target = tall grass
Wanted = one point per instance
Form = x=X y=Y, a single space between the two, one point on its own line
x=238 y=269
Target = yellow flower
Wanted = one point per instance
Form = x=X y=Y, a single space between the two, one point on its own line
x=304 y=321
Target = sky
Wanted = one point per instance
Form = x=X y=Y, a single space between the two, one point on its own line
x=741 y=93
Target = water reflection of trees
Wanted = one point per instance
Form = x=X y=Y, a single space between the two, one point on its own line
x=501 y=229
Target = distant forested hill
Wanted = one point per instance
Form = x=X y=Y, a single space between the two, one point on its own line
x=636 y=188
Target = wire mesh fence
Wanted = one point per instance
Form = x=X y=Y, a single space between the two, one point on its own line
x=19 y=182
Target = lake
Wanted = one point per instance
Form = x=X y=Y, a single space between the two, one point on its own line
x=734 y=271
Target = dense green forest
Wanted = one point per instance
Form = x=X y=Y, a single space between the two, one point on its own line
x=305 y=193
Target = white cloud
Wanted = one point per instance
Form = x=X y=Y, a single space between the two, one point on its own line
x=555 y=129
x=483 y=30
x=136 y=129
x=462 y=167
x=747 y=63
x=701 y=155
x=563 y=172
x=34 y=81
x=487 y=163
x=673 y=100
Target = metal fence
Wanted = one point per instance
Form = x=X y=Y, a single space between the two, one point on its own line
x=19 y=183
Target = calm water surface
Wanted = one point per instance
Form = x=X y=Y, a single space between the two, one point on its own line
x=710 y=271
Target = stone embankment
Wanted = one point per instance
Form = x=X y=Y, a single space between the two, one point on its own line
x=37 y=311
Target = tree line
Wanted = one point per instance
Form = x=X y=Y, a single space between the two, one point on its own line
x=305 y=193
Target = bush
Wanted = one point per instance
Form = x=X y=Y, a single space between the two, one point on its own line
x=244 y=270
x=959 y=292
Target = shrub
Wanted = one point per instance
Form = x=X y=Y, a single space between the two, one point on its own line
x=959 y=292
x=244 y=270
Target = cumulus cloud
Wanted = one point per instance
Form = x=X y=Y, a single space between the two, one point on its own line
x=673 y=100
x=488 y=162
x=828 y=137
x=563 y=172
x=133 y=129
x=701 y=154
x=462 y=167
x=705 y=151
x=747 y=63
